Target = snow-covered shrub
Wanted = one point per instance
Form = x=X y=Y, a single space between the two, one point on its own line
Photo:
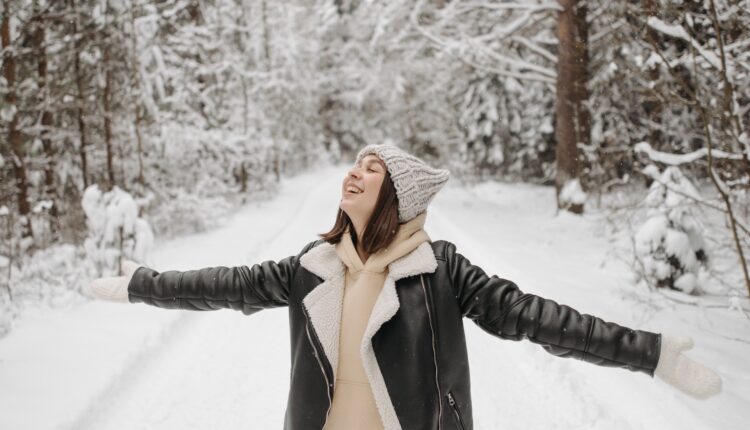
x=185 y=212
x=114 y=229
x=51 y=277
x=669 y=243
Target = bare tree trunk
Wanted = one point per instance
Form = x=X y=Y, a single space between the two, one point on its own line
x=582 y=73
x=14 y=134
x=573 y=122
x=243 y=23
x=277 y=163
x=81 y=99
x=137 y=107
x=107 y=103
x=653 y=105
x=266 y=43
x=50 y=190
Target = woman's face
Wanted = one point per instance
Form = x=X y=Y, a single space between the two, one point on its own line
x=367 y=177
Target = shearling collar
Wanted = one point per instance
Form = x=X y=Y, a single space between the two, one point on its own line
x=323 y=262
x=325 y=302
x=408 y=237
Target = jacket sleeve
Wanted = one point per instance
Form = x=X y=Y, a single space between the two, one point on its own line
x=242 y=288
x=500 y=308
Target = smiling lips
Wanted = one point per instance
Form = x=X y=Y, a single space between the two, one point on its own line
x=350 y=189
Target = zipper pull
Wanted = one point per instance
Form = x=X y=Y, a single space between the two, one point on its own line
x=450 y=399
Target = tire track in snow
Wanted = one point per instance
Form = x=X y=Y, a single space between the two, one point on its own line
x=155 y=391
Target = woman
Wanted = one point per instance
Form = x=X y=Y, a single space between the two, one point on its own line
x=376 y=311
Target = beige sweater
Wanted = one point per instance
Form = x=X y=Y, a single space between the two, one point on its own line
x=353 y=402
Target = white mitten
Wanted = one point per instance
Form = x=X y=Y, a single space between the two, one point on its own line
x=688 y=376
x=114 y=288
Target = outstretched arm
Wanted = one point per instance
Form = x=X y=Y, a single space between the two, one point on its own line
x=242 y=288
x=499 y=307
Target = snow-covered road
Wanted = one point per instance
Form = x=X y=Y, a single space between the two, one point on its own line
x=224 y=370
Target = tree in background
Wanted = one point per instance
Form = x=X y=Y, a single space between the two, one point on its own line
x=670 y=244
x=11 y=117
x=573 y=120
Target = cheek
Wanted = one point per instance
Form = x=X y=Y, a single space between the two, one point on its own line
x=375 y=187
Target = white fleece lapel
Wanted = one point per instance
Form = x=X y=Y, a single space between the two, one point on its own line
x=325 y=302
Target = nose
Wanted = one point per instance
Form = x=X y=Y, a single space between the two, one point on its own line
x=354 y=172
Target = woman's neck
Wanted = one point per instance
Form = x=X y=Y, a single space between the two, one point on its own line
x=357 y=241
x=362 y=255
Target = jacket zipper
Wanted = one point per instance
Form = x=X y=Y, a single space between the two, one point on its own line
x=456 y=413
x=434 y=355
x=322 y=369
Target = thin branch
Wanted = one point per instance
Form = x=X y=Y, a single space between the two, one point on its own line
x=533 y=47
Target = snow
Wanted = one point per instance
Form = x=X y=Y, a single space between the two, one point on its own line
x=99 y=365
x=7 y=112
x=572 y=193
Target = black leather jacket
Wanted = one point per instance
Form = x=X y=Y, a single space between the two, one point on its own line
x=420 y=350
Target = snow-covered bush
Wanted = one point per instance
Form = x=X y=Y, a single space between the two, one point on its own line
x=114 y=229
x=51 y=277
x=669 y=243
x=185 y=212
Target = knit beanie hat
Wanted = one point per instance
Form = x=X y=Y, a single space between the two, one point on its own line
x=416 y=183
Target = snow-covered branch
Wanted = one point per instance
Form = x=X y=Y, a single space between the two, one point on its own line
x=466 y=7
x=678 y=32
x=677 y=159
x=515 y=63
x=517 y=68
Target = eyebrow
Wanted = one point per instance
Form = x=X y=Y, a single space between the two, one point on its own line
x=371 y=160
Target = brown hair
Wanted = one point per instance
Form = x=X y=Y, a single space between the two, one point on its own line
x=382 y=226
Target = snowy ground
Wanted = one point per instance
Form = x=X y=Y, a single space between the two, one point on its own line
x=117 y=366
